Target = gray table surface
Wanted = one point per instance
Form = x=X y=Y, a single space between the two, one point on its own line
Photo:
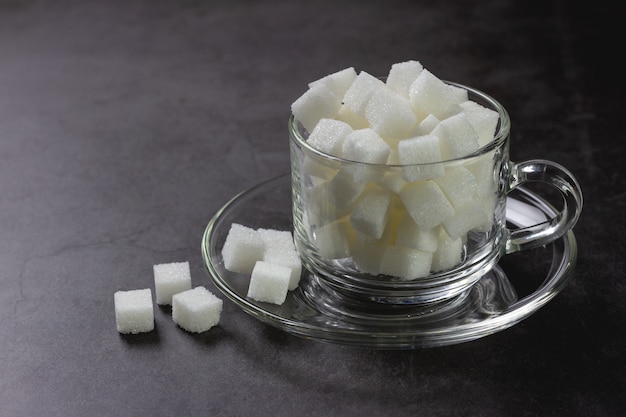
x=125 y=126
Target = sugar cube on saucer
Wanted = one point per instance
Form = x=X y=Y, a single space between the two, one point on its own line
x=242 y=249
x=269 y=282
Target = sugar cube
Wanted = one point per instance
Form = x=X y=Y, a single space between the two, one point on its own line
x=458 y=184
x=169 y=279
x=482 y=119
x=430 y=95
x=426 y=203
x=401 y=76
x=411 y=236
x=420 y=155
x=372 y=211
x=328 y=136
x=389 y=113
x=134 y=311
x=196 y=310
x=242 y=248
x=457 y=136
x=405 y=263
x=333 y=240
x=337 y=82
x=269 y=283
x=448 y=254
x=360 y=90
x=316 y=103
x=280 y=249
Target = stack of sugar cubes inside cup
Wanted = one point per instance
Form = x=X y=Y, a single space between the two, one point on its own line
x=412 y=217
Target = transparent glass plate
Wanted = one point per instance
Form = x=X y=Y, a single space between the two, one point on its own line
x=519 y=285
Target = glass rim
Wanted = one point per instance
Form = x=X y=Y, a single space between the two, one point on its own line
x=501 y=136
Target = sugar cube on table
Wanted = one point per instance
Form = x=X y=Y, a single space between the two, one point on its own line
x=169 y=279
x=242 y=249
x=196 y=310
x=316 y=103
x=281 y=250
x=134 y=312
x=269 y=283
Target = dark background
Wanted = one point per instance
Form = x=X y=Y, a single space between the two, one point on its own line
x=125 y=125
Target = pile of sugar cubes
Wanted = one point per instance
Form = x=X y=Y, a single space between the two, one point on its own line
x=267 y=256
x=411 y=218
x=196 y=310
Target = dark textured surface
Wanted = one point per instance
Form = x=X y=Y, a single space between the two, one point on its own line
x=124 y=127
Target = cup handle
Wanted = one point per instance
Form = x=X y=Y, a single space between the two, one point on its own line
x=540 y=170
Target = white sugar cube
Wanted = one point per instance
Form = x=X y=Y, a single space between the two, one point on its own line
x=269 y=283
x=280 y=249
x=340 y=192
x=430 y=95
x=315 y=169
x=333 y=240
x=470 y=216
x=196 y=310
x=426 y=203
x=337 y=82
x=411 y=236
x=401 y=76
x=367 y=253
x=393 y=180
x=427 y=125
x=458 y=184
x=484 y=171
x=365 y=145
x=419 y=154
x=242 y=249
x=482 y=119
x=372 y=211
x=328 y=136
x=389 y=114
x=316 y=103
x=319 y=207
x=360 y=90
x=134 y=312
x=356 y=121
x=405 y=263
x=458 y=137
x=169 y=279
x=448 y=254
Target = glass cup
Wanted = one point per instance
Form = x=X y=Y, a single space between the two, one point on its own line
x=417 y=234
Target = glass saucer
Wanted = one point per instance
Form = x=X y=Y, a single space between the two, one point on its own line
x=519 y=285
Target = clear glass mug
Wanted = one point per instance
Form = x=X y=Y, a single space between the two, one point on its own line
x=417 y=234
